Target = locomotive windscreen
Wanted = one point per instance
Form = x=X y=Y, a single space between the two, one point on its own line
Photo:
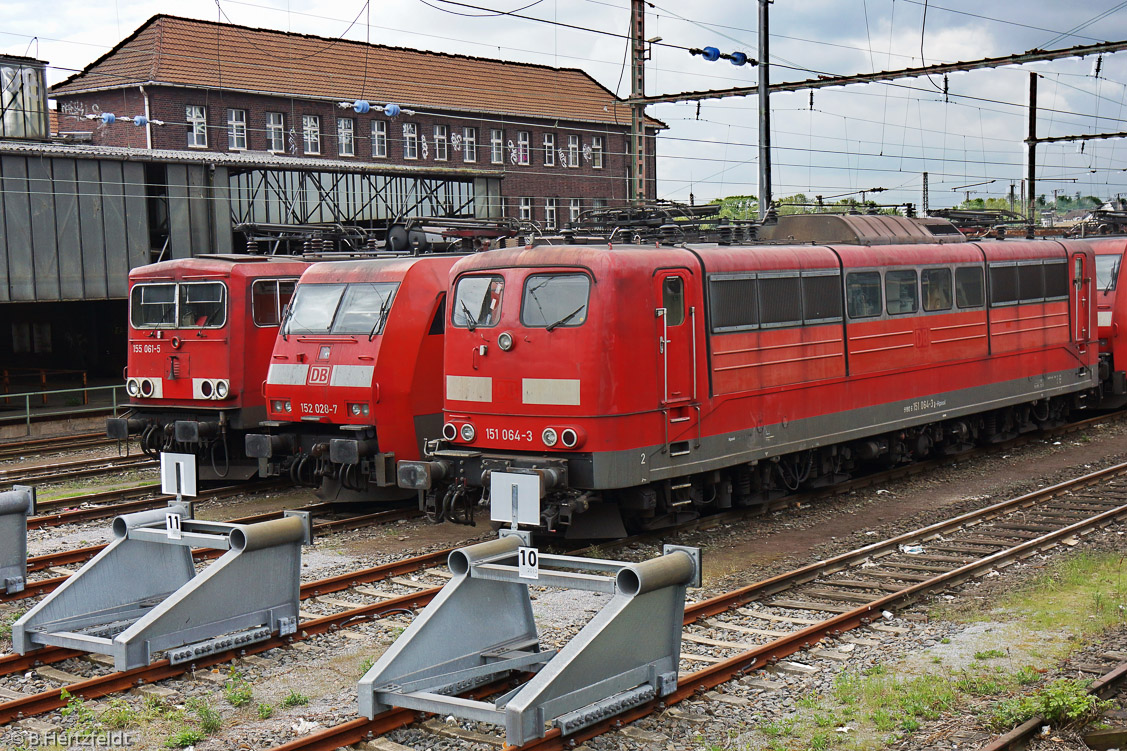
x=359 y=308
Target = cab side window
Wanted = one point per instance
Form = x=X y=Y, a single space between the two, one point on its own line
x=673 y=300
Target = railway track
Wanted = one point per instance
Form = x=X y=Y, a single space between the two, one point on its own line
x=57 y=471
x=56 y=562
x=749 y=626
x=767 y=622
x=26 y=447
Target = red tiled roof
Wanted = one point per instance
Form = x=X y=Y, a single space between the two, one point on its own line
x=189 y=52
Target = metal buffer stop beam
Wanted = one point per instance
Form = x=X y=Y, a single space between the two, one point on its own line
x=142 y=595
x=15 y=506
x=480 y=628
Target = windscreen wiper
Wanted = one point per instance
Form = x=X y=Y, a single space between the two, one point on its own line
x=471 y=322
x=566 y=318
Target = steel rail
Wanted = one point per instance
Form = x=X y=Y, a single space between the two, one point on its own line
x=39 y=446
x=1020 y=736
x=78 y=555
x=79 y=468
x=116 y=502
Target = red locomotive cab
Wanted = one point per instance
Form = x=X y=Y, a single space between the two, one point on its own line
x=569 y=362
x=1111 y=310
x=355 y=377
x=200 y=331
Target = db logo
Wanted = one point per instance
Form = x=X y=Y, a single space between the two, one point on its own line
x=319 y=373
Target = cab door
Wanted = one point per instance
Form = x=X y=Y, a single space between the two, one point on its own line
x=676 y=337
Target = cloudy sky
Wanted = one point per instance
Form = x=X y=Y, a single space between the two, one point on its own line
x=847 y=139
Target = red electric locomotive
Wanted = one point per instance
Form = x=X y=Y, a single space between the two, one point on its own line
x=644 y=384
x=355 y=379
x=200 y=334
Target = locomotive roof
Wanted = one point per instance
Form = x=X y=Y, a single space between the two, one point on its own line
x=732 y=258
x=364 y=268
x=220 y=265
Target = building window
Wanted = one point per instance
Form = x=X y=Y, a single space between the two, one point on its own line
x=441 y=139
x=573 y=151
x=524 y=147
x=550 y=213
x=410 y=141
x=526 y=209
x=496 y=145
x=275 y=132
x=196 y=116
x=311 y=133
x=574 y=208
x=346 y=143
x=549 y=149
x=236 y=129
x=469 y=144
x=597 y=152
x=598 y=203
x=379 y=138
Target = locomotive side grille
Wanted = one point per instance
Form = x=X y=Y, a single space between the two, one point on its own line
x=821 y=298
x=780 y=300
x=733 y=303
x=1003 y=285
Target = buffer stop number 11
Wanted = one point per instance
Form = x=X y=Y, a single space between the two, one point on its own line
x=528 y=563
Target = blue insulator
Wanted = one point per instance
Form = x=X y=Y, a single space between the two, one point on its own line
x=361 y=106
x=108 y=118
x=711 y=54
x=140 y=120
x=391 y=110
x=739 y=58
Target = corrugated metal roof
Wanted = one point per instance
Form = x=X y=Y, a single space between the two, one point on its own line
x=189 y=52
x=247 y=159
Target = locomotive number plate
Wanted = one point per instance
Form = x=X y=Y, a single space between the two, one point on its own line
x=146 y=349
x=318 y=409
x=508 y=434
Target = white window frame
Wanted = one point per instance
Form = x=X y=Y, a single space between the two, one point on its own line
x=410 y=141
x=524 y=148
x=311 y=134
x=575 y=207
x=526 y=209
x=379 y=139
x=550 y=213
x=346 y=136
x=469 y=144
x=441 y=143
x=196 y=117
x=597 y=152
x=549 y=149
x=573 y=151
x=496 y=146
x=275 y=132
x=236 y=129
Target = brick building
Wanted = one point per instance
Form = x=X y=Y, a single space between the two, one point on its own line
x=556 y=139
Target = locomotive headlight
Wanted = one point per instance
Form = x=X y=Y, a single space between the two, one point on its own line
x=449 y=431
x=132 y=387
x=356 y=409
x=289 y=407
x=222 y=389
x=505 y=341
x=207 y=389
x=280 y=405
x=146 y=387
x=468 y=433
x=569 y=438
x=549 y=437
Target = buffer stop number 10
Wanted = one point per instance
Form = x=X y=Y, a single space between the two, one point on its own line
x=528 y=563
